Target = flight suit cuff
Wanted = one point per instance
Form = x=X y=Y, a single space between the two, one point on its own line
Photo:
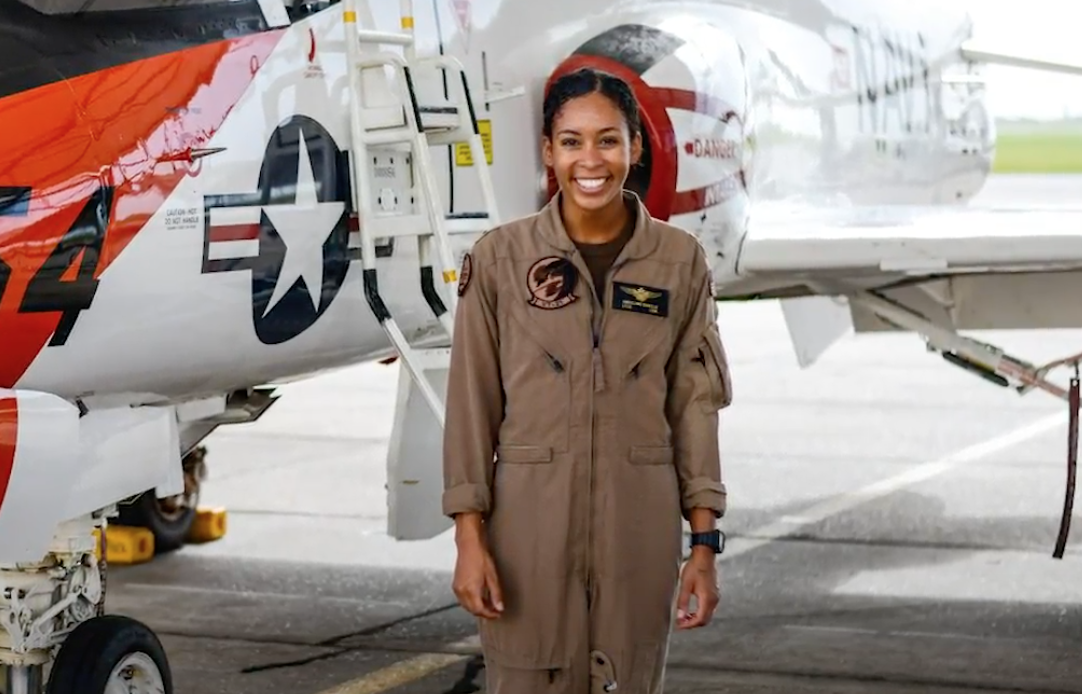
x=466 y=498
x=704 y=493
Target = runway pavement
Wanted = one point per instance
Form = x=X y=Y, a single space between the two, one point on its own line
x=891 y=527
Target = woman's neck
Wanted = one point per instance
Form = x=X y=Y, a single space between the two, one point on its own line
x=594 y=226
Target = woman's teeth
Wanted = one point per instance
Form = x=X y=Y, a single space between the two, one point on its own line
x=591 y=183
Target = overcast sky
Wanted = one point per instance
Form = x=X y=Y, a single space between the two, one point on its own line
x=1047 y=26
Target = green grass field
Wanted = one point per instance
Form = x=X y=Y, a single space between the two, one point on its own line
x=1028 y=147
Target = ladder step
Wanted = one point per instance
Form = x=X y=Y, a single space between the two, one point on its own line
x=430 y=357
x=433 y=118
x=417 y=225
x=388 y=37
x=467 y=223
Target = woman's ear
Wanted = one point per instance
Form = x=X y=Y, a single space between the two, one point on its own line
x=546 y=152
x=636 y=149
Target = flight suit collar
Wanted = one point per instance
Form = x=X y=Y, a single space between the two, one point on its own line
x=642 y=243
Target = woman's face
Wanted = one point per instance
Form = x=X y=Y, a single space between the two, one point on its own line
x=591 y=151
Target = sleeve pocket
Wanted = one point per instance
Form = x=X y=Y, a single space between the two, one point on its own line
x=717 y=368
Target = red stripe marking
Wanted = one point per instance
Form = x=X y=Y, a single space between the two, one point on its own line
x=9 y=431
x=234 y=232
x=697 y=102
x=714 y=194
x=127 y=127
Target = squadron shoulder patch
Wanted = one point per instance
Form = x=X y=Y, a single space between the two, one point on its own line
x=551 y=282
x=465 y=275
x=639 y=299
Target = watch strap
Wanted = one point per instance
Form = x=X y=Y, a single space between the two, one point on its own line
x=714 y=539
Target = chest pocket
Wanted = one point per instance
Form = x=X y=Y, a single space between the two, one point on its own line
x=644 y=386
x=537 y=393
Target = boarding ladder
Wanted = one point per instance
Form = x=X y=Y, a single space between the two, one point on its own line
x=411 y=127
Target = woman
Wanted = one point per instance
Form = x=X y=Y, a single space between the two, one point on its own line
x=586 y=377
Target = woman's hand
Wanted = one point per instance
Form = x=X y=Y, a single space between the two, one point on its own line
x=699 y=577
x=475 y=583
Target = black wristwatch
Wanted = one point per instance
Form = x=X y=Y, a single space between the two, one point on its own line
x=714 y=539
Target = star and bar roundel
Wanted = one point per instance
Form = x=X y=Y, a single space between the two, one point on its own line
x=291 y=232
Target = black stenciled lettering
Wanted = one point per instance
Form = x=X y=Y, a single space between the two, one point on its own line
x=892 y=88
x=48 y=290
x=866 y=80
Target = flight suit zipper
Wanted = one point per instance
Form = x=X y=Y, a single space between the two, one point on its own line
x=595 y=338
x=597 y=384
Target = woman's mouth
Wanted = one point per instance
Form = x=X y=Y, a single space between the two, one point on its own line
x=591 y=185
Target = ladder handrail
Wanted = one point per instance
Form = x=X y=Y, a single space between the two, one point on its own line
x=420 y=135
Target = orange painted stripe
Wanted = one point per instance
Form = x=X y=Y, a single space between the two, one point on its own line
x=126 y=126
x=9 y=431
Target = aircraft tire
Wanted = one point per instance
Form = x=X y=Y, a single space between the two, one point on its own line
x=103 y=649
x=170 y=530
x=170 y=526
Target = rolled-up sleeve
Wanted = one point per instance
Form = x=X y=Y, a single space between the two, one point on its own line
x=699 y=387
x=474 y=390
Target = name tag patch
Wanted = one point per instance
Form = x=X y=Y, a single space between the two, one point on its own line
x=639 y=299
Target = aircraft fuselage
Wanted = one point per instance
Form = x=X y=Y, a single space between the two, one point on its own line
x=175 y=210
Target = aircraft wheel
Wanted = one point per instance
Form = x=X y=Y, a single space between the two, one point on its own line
x=169 y=519
x=111 y=654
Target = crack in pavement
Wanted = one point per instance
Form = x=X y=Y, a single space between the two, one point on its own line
x=333 y=642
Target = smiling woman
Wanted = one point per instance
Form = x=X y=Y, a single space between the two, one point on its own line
x=592 y=138
x=584 y=422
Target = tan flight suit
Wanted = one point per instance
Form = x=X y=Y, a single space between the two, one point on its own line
x=583 y=452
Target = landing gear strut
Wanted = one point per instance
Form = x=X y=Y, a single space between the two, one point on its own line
x=994 y=365
x=1072 y=464
x=58 y=602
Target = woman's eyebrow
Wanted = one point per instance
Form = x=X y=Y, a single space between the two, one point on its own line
x=570 y=131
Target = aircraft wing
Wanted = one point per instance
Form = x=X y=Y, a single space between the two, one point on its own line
x=938 y=268
x=841 y=242
x=990 y=53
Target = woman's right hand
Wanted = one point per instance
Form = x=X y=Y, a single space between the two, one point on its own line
x=475 y=583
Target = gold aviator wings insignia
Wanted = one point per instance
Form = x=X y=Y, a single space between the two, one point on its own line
x=641 y=295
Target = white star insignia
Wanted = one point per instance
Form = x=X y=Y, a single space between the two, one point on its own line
x=304 y=227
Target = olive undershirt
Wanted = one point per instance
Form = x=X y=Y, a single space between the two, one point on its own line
x=599 y=257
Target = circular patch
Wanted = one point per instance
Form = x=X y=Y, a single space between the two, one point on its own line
x=551 y=282
x=464 y=276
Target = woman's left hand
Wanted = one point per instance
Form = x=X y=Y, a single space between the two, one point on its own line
x=699 y=577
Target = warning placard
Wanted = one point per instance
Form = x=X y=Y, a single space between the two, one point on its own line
x=462 y=150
